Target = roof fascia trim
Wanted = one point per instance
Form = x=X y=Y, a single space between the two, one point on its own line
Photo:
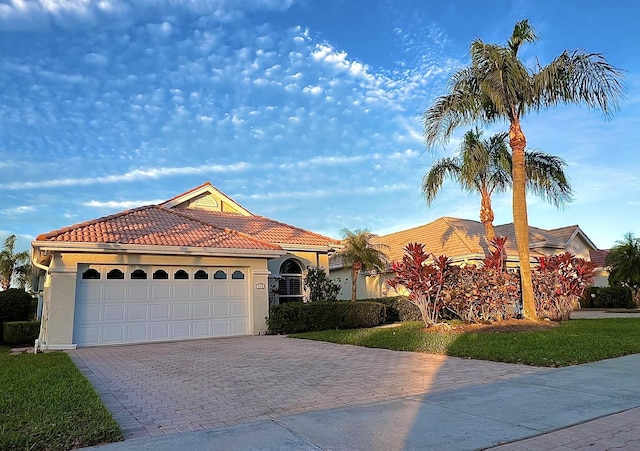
x=107 y=248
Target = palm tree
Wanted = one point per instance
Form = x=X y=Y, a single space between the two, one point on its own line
x=498 y=87
x=12 y=263
x=484 y=166
x=624 y=261
x=361 y=253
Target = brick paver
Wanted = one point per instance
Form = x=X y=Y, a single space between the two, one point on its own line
x=166 y=388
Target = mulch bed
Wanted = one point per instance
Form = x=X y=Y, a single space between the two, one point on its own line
x=508 y=326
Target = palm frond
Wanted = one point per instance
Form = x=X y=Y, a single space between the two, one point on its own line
x=579 y=77
x=546 y=177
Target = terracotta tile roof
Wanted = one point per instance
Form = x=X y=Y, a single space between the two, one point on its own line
x=449 y=236
x=259 y=227
x=599 y=257
x=458 y=238
x=153 y=225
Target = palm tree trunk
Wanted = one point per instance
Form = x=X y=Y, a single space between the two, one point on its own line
x=518 y=142
x=355 y=268
x=486 y=215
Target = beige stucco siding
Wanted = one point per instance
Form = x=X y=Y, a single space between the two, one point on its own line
x=59 y=294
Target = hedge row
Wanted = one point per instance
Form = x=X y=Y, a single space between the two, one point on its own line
x=295 y=317
x=15 y=305
x=398 y=309
x=607 y=297
x=21 y=332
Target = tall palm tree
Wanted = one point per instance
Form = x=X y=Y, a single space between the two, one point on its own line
x=498 y=87
x=11 y=263
x=361 y=254
x=624 y=261
x=484 y=166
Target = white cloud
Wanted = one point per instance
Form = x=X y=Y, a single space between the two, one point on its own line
x=123 y=204
x=131 y=176
x=96 y=59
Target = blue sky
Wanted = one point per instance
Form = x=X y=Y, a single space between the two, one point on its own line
x=307 y=112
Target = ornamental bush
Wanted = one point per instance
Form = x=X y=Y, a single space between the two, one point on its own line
x=480 y=294
x=21 y=332
x=321 y=288
x=295 y=317
x=558 y=284
x=608 y=297
x=398 y=308
x=15 y=305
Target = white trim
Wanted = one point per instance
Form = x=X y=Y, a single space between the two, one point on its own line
x=309 y=247
x=207 y=188
x=57 y=347
x=111 y=248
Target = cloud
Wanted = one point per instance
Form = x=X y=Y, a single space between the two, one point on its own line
x=131 y=176
x=119 y=205
x=39 y=15
x=18 y=210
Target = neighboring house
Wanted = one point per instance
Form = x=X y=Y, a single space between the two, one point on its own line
x=198 y=265
x=463 y=241
x=599 y=257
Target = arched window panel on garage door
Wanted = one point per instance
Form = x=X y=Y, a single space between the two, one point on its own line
x=91 y=274
x=181 y=274
x=220 y=275
x=138 y=274
x=201 y=274
x=160 y=274
x=237 y=275
x=115 y=274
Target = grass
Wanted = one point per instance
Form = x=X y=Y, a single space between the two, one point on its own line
x=571 y=343
x=47 y=404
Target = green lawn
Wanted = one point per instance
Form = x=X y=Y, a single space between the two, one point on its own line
x=47 y=404
x=571 y=343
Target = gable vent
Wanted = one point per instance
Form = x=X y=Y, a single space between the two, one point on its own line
x=204 y=203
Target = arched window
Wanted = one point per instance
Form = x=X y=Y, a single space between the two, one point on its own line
x=220 y=274
x=115 y=274
x=201 y=274
x=138 y=274
x=160 y=274
x=181 y=274
x=237 y=274
x=91 y=274
x=290 y=283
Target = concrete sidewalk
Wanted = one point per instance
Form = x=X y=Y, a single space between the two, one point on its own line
x=594 y=406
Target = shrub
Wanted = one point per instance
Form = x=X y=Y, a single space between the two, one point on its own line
x=482 y=294
x=15 y=305
x=608 y=297
x=398 y=308
x=297 y=317
x=21 y=332
x=423 y=281
x=559 y=283
x=321 y=288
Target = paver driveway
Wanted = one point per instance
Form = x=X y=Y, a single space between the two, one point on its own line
x=164 y=388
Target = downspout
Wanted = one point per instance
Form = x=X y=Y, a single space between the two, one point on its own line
x=38 y=344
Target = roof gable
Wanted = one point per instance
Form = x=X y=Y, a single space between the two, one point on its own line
x=206 y=197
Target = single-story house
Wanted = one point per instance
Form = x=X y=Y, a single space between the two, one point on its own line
x=198 y=265
x=463 y=241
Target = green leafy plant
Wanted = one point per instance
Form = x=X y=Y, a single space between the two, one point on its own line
x=15 y=305
x=304 y=317
x=321 y=288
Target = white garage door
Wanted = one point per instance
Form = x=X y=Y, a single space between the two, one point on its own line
x=137 y=304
